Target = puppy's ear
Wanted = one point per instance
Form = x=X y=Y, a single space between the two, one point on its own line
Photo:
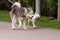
x=35 y=13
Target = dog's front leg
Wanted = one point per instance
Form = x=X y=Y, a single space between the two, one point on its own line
x=33 y=24
x=24 y=24
x=28 y=22
x=13 y=22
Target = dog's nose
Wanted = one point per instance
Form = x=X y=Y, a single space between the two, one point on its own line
x=23 y=16
x=37 y=18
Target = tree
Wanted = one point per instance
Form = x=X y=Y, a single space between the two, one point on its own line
x=38 y=6
x=49 y=8
x=58 y=10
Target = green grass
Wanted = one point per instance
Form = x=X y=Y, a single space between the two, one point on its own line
x=4 y=16
x=44 y=22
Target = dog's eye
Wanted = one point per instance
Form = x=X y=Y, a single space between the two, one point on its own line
x=32 y=16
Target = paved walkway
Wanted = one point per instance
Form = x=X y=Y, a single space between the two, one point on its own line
x=6 y=33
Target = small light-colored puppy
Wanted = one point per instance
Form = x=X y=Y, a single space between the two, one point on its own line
x=33 y=18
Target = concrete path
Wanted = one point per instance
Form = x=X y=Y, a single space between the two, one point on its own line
x=6 y=33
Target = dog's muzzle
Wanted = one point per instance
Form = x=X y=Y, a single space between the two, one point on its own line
x=23 y=16
x=37 y=18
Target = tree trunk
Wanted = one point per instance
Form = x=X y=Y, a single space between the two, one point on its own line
x=58 y=10
x=38 y=6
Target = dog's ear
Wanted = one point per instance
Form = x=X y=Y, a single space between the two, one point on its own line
x=35 y=13
x=30 y=10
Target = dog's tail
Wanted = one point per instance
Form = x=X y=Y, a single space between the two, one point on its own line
x=10 y=1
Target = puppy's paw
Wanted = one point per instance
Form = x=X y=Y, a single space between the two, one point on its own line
x=19 y=26
x=13 y=28
x=24 y=28
x=34 y=26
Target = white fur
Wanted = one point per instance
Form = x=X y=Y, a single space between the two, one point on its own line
x=33 y=18
x=20 y=23
x=13 y=17
x=17 y=4
x=20 y=19
x=13 y=22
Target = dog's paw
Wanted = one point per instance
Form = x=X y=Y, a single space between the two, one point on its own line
x=13 y=28
x=34 y=26
x=19 y=27
x=24 y=28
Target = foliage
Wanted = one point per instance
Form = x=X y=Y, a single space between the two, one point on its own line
x=4 y=16
x=4 y=4
x=28 y=3
x=49 y=7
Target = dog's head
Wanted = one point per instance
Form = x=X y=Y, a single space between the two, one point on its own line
x=36 y=17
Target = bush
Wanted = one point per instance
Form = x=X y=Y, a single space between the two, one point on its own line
x=49 y=7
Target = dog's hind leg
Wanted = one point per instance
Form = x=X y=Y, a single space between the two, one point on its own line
x=24 y=24
x=28 y=22
x=20 y=23
x=13 y=22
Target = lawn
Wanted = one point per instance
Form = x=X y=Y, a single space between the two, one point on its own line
x=45 y=22
x=4 y=16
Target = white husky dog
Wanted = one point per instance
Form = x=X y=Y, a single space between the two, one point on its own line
x=12 y=12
